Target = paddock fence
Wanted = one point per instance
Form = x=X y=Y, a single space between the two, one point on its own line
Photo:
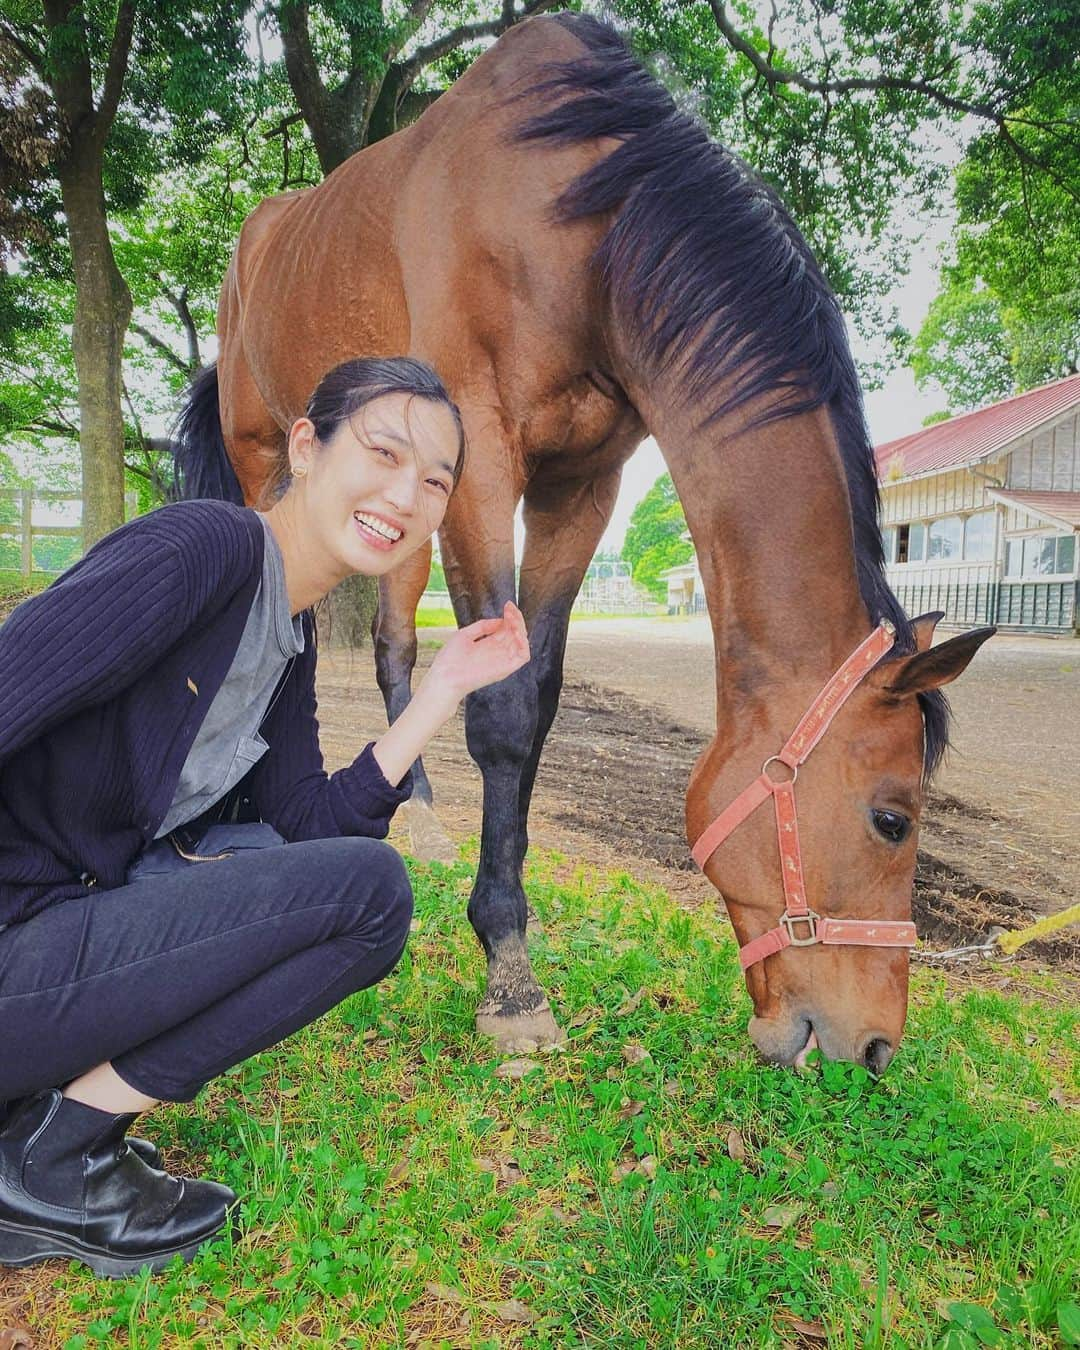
x=41 y=530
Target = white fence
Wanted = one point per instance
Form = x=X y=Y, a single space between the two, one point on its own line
x=41 y=531
x=591 y=599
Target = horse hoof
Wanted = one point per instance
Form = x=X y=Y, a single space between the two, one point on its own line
x=518 y=1033
x=428 y=841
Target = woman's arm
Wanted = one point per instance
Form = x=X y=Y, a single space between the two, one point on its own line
x=109 y=618
x=292 y=790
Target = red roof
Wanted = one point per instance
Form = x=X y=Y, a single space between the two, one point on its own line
x=1063 y=508
x=976 y=435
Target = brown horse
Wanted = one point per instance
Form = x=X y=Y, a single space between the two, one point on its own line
x=584 y=267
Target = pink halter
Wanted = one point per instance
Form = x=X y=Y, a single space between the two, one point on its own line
x=797 y=914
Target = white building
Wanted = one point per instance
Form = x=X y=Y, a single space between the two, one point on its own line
x=685 y=590
x=980 y=514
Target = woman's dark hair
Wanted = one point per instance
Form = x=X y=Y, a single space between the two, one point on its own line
x=347 y=388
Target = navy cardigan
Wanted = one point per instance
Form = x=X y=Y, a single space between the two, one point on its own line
x=105 y=679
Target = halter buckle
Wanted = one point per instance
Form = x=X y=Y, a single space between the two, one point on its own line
x=788 y=921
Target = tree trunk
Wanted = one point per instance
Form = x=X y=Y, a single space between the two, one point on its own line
x=102 y=311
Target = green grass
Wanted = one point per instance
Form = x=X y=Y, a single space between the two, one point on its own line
x=16 y=584
x=400 y=1192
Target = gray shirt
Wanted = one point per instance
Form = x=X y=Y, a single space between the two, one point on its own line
x=228 y=742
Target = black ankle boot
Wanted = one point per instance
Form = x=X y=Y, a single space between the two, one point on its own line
x=142 y=1148
x=71 y=1188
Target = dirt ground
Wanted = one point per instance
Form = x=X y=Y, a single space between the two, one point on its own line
x=999 y=838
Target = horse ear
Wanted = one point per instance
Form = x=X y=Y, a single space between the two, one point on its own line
x=937 y=666
x=924 y=627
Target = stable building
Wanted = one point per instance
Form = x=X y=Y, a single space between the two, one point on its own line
x=980 y=514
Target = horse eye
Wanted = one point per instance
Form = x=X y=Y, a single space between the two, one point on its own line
x=891 y=825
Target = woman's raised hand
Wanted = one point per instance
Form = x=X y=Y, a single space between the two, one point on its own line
x=482 y=653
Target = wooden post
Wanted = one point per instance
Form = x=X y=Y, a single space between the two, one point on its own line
x=27 y=531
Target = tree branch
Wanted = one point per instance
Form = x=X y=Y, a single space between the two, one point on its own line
x=779 y=75
x=179 y=302
x=414 y=103
x=774 y=75
x=312 y=95
x=66 y=429
x=116 y=70
x=281 y=128
x=469 y=32
x=162 y=348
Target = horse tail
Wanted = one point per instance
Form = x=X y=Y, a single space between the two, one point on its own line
x=201 y=465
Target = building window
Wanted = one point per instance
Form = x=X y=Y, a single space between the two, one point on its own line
x=1041 y=556
x=946 y=537
x=910 y=543
x=888 y=544
x=979 y=536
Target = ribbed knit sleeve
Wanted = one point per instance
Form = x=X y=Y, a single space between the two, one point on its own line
x=106 y=620
x=292 y=789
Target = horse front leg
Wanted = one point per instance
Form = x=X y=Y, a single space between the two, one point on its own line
x=506 y=725
x=393 y=633
x=500 y=726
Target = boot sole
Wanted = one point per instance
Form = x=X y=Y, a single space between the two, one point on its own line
x=25 y=1246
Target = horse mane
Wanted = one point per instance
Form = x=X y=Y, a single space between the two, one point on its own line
x=706 y=268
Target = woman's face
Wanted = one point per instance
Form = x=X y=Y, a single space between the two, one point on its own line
x=378 y=488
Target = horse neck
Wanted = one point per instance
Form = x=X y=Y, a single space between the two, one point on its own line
x=770 y=516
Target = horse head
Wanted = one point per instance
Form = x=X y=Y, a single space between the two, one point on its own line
x=819 y=888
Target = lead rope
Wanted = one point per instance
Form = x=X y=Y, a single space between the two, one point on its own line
x=1005 y=943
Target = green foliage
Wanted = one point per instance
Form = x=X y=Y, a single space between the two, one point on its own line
x=1008 y=317
x=437 y=577
x=668 y=552
x=658 y=516
x=962 y=346
x=654 y=538
x=398 y=1188
x=857 y=145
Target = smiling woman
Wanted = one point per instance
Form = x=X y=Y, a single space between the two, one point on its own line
x=160 y=693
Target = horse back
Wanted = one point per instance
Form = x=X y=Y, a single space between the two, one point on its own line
x=439 y=241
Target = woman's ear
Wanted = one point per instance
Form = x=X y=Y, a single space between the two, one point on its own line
x=934 y=667
x=301 y=448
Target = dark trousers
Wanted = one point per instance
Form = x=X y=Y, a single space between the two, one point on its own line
x=176 y=978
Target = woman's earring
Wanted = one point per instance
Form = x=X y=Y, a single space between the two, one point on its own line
x=298 y=470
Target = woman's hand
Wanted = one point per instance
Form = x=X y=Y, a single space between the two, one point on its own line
x=483 y=653
x=480 y=654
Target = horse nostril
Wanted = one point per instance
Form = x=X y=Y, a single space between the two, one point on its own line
x=877 y=1054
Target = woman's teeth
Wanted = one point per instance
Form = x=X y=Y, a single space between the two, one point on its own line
x=377 y=527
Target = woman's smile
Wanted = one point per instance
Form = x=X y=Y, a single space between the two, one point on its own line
x=378 y=530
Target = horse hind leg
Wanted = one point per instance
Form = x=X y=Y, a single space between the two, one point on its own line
x=564 y=524
x=394 y=636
